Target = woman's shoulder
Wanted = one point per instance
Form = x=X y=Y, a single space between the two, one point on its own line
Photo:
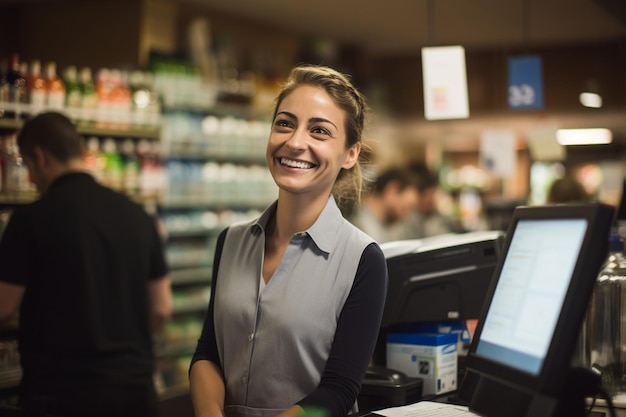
x=356 y=233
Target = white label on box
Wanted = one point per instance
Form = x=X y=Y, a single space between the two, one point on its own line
x=436 y=365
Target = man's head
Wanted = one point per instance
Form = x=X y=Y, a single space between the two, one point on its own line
x=395 y=193
x=427 y=185
x=50 y=146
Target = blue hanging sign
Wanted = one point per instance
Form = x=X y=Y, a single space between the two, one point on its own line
x=525 y=83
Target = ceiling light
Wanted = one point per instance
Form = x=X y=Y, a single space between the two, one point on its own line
x=584 y=136
x=593 y=100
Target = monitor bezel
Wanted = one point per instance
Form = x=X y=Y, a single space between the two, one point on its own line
x=551 y=378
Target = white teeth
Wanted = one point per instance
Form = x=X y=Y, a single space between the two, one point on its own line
x=295 y=164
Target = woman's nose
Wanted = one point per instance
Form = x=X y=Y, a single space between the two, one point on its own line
x=297 y=140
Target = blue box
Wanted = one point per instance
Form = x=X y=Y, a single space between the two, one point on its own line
x=430 y=356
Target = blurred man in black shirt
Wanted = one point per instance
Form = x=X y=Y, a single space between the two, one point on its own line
x=85 y=268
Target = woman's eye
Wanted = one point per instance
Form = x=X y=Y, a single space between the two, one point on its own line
x=320 y=131
x=282 y=123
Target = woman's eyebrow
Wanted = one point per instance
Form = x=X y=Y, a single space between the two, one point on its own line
x=322 y=120
x=286 y=113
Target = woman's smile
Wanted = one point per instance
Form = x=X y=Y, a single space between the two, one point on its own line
x=293 y=163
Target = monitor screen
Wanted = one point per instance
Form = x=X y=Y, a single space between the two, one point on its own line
x=521 y=352
x=532 y=286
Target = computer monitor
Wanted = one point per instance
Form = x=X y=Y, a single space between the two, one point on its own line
x=518 y=364
x=436 y=279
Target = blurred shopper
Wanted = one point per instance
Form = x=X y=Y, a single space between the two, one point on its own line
x=390 y=200
x=426 y=219
x=567 y=190
x=297 y=294
x=85 y=268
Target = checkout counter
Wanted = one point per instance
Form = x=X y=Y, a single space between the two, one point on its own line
x=441 y=279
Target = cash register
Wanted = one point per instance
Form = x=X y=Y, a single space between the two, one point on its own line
x=443 y=278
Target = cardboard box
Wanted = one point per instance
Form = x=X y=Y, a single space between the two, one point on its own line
x=430 y=356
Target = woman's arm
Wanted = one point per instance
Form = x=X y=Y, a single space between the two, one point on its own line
x=206 y=379
x=355 y=337
x=207 y=389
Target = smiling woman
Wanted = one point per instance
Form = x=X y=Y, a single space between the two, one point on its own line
x=331 y=85
x=300 y=274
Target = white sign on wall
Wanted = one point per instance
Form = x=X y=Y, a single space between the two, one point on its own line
x=445 y=83
x=497 y=151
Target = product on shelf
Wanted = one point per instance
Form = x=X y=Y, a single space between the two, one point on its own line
x=13 y=88
x=89 y=96
x=152 y=175
x=94 y=160
x=73 y=95
x=56 y=87
x=16 y=80
x=15 y=174
x=37 y=87
x=131 y=168
x=113 y=169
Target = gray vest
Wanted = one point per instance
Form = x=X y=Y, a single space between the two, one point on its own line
x=274 y=340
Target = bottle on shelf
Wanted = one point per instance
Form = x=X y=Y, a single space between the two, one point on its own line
x=17 y=178
x=145 y=101
x=152 y=176
x=37 y=87
x=94 y=160
x=73 y=96
x=16 y=82
x=105 y=102
x=25 y=110
x=113 y=170
x=120 y=98
x=56 y=87
x=89 y=97
x=4 y=85
x=131 y=169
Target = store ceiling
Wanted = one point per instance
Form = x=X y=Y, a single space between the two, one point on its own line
x=399 y=26
x=404 y=26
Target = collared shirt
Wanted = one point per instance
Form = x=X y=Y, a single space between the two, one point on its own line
x=300 y=338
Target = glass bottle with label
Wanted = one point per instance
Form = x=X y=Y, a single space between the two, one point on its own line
x=17 y=177
x=56 y=87
x=89 y=97
x=606 y=322
x=73 y=96
x=16 y=82
x=37 y=87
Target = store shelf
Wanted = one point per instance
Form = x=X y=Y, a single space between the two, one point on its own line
x=10 y=378
x=86 y=123
x=199 y=275
x=196 y=306
x=213 y=203
x=190 y=152
x=17 y=198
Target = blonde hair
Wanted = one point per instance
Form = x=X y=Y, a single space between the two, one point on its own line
x=349 y=183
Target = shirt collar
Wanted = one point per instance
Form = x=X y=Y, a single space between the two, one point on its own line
x=322 y=232
x=70 y=176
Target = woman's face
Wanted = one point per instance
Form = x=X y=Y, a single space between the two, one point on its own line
x=307 y=144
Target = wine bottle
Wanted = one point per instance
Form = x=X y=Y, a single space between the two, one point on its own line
x=37 y=87
x=56 y=87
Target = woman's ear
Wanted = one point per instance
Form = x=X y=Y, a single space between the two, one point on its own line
x=353 y=156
